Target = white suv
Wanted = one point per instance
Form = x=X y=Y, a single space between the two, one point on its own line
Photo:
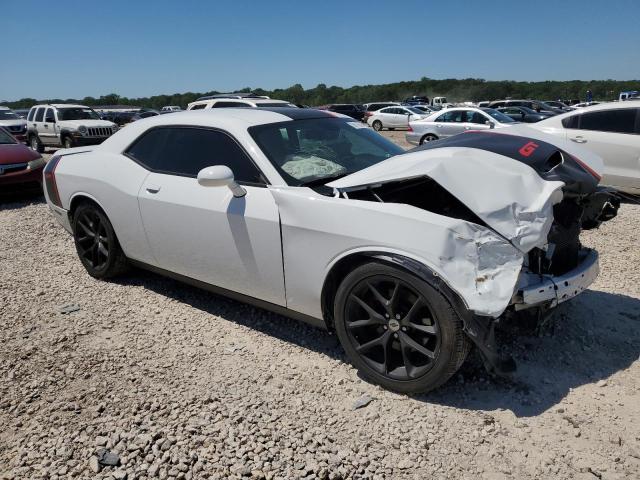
x=63 y=125
x=236 y=100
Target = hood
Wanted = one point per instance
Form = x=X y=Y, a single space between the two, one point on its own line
x=16 y=153
x=508 y=195
x=13 y=122
x=86 y=123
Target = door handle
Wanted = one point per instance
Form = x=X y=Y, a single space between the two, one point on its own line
x=46 y=126
x=578 y=140
x=152 y=188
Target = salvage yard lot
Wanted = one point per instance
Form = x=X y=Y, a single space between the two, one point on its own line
x=178 y=383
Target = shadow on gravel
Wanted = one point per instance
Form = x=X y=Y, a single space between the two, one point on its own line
x=585 y=340
x=272 y=324
x=17 y=200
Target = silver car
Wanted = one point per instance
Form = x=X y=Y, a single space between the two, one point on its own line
x=454 y=121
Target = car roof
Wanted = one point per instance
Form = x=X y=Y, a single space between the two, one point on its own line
x=60 y=105
x=2 y=107
x=257 y=101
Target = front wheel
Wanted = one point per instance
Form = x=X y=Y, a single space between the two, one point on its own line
x=377 y=125
x=96 y=242
x=67 y=142
x=397 y=330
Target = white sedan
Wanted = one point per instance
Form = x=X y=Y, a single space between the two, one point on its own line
x=395 y=117
x=453 y=121
x=612 y=131
x=319 y=218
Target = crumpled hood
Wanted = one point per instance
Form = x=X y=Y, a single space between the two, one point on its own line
x=509 y=196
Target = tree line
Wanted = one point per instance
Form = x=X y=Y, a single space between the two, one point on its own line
x=456 y=90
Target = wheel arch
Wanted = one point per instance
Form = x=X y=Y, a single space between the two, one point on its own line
x=350 y=260
x=478 y=328
x=81 y=197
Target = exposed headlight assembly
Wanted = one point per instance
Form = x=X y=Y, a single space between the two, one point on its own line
x=82 y=129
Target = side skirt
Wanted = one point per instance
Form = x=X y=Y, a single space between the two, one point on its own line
x=240 y=297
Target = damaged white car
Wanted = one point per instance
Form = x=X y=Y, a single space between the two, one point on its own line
x=409 y=257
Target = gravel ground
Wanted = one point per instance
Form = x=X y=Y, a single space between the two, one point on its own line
x=148 y=378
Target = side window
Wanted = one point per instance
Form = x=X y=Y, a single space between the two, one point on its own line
x=498 y=104
x=186 y=151
x=475 y=117
x=48 y=117
x=445 y=117
x=615 y=121
x=39 y=114
x=571 y=122
x=199 y=106
x=32 y=112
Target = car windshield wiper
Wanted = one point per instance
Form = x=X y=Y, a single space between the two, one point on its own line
x=323 y=180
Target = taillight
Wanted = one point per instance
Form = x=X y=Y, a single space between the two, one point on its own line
x=50 y=180
x=410 y=129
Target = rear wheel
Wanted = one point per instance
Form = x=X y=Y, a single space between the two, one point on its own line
x=35 y=144
x=96 y=242
x=429 y=137
x=377 y=125
x=398 y=330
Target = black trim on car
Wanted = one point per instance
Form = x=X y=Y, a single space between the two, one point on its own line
x=240 y=297
x=198 y=127
x=298 y=113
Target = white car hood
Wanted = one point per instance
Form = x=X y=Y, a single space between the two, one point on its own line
x=506 y=194
x=13 y=122
x=86 y=123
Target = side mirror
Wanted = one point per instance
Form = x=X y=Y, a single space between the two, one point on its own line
x=490 y=123
x=220 y=176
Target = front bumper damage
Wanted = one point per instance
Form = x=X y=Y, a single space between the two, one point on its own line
x=549 y=290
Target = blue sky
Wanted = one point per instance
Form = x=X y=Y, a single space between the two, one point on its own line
x=72 y=49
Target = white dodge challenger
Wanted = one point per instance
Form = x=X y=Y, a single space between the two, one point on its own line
x=410 y=257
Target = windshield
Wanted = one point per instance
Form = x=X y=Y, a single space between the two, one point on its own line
x=499 y=116
x=321 y=149
x=7 y=115
x=77 y=114
x=6 y=138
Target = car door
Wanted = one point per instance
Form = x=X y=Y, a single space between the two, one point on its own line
x=38 y=119
x=386 y=116
x=615 y=136
x=475 y=120
x=205 y=233
x=442 y=124
x=47 y=128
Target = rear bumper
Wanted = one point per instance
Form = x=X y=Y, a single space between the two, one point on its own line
x=61 y=215
x=413 y=138
x=552 y=290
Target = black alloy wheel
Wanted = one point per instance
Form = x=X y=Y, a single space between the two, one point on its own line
x=391 y=326
x=96 y=242
x=398 y=330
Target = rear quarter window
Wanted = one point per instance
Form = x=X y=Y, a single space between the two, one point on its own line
x=32 y=112
x=39 y=115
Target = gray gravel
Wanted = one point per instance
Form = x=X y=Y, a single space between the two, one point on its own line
x=153 y=379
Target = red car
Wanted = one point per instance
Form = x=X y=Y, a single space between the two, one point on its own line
x=20 y=167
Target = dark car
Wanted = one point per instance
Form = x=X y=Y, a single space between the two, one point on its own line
x=558 y=104
x=350 y=109
x=416 y=100
x=523 y=114
x=20 y=167
x=537 y=105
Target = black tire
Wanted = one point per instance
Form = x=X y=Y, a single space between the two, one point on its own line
x=35 y=143
x=67 y=142
x=429 y=137
x=377 y=125
x=96 y=242
x=398 y=351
